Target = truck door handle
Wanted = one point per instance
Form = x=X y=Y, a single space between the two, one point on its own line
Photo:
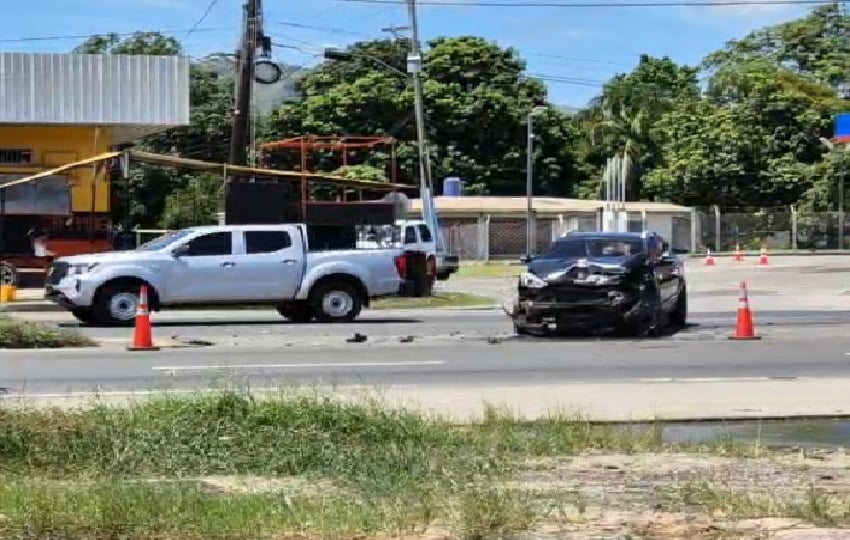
x=228 y=264
x=289 y=261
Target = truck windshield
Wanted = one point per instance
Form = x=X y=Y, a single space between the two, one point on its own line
x=597 y=247
x=162 y=242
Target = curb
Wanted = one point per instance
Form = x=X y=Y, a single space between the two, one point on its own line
x=30 y=307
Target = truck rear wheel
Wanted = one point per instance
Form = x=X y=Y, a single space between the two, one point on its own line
x=335 y=301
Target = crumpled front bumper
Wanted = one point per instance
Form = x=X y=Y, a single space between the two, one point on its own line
x=541 y=313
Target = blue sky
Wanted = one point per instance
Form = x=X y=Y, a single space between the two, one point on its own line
x=587 y=46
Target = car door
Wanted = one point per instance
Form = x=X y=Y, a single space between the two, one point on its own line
x=667 y=271
x=272 y=265
x=205 y=272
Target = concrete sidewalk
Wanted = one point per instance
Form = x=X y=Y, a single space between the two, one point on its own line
x=671 y=400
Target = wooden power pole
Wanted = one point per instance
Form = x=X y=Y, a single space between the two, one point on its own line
x=245 y=58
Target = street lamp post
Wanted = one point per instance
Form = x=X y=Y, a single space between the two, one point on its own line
x=529 y=175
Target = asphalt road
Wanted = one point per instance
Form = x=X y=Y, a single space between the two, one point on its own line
x=262 y=327
x=795 y=344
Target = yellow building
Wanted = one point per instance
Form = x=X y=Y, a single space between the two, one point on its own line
x=61 y=108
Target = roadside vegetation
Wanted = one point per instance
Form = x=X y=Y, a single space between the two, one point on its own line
x=18 y=334
x=489 y=270
x=437 y=300
x=230 y=464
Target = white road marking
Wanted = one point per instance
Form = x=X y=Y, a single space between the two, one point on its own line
x=203 y=367
x=704 y=379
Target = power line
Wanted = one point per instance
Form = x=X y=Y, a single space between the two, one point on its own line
x=119 y=34
x=672 y=3
x=202 y=18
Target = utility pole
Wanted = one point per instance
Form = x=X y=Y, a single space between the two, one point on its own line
x=395 y=30
x=414 y=65
x=244 y=85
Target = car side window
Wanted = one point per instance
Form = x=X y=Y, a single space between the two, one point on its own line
x=409 y=235
x=217 y=243
x=425 y=233
x=266 y=241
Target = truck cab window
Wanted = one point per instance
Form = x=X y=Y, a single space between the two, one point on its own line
x=266 y=241
x=217 y=243
x=410 y=235
x=425 y=233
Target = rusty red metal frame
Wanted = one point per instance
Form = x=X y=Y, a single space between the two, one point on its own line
x=307 y=144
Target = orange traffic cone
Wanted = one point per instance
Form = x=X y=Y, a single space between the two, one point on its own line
x=763 y=256
x=738 y=255
x=709 y=258
x=744 y=329
x=143 y=335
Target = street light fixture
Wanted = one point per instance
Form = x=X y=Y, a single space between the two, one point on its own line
x=529 y=171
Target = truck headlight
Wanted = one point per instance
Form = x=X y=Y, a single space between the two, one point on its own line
x=531 y=281
x=81 y=268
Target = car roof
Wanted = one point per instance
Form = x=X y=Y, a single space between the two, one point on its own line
x=599 y=235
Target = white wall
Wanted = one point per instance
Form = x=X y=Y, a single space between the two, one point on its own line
x=661 y=224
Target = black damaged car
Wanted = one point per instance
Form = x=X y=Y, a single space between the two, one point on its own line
x=587 y=282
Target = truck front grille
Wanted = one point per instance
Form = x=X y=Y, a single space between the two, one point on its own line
x=58 y=270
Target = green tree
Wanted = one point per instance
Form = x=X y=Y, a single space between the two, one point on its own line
x=816 y=45
x=476 y=99
x=620 y=121
x=752 y=141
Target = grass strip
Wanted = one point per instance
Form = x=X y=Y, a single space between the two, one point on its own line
x=232 y=432
x=18 y=334
x=437 y=300
x=114 y=509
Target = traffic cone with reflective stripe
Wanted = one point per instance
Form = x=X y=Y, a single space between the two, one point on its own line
x=744 y=329
x=738 y=255
x=763 y=256
x=709 y=258
x=143 y=334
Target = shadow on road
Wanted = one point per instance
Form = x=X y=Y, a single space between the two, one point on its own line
x=667 y=332
x=257 y=322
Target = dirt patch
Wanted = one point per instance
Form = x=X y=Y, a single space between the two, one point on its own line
x=290 y=485
x=694 y=496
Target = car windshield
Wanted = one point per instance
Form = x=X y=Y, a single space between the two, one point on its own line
x=162 y=242
x=595 y=247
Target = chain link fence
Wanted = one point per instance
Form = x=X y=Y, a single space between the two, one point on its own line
x=778 y=228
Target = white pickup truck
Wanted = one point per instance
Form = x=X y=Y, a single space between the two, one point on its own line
x=414 y=234
x=242 y=264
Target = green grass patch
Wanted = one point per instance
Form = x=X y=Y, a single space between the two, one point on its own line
x=73 y=473
x=18 y=334
x=117 y=508
x=437 y=300
x=488 y=270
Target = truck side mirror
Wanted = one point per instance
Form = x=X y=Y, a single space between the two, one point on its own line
x=525 y=259
x=179 y=251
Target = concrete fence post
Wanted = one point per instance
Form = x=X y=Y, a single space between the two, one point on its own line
x=717 y=228
x=793 y=228
x=695 y=230
x=483 y=240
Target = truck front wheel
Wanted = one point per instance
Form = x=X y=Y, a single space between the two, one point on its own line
x=116 y=306
x=335 y=301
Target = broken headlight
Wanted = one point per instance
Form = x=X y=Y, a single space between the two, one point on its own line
x=531 y=281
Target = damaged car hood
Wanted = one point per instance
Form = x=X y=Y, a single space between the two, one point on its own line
x=558 y=269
